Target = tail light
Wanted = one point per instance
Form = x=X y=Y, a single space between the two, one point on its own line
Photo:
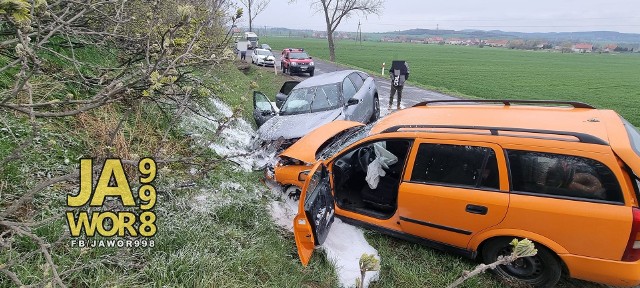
x=632 y=252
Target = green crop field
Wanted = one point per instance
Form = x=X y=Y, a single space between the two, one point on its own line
x=609 y=81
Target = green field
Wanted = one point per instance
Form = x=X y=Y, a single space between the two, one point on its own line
x=609 y=81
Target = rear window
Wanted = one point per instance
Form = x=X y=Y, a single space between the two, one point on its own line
x=563 y=176
x=634 y=135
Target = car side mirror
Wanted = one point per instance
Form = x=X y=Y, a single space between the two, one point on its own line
x=352 y=102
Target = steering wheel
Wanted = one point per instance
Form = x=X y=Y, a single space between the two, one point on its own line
x=365 y=156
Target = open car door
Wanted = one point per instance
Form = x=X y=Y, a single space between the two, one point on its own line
x=262 y=108
x=315 y=212
x=285 y=90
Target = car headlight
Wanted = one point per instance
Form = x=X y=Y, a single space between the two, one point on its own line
x=311 y=63
x=294 y=64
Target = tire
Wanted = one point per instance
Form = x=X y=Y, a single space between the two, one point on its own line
x=542 y=270
x=311 y=73
x=376 y=110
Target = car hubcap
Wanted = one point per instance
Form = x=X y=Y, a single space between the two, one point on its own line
x=523 y=268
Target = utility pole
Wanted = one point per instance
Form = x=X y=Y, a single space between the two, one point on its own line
x=359 y=35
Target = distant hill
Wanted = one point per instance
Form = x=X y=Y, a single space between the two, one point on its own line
x=590 y=36
x=602 y=37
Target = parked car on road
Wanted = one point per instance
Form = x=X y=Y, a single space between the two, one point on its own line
x=468 y=178
x=265 y=46
x=262 y=57
x=348 y=95
x=296 y=60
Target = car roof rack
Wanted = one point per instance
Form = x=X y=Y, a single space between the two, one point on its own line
x=506 y=102
x=582 y=137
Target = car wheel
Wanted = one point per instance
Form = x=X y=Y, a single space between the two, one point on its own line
x=541 y=270
x=293 y=192
x=289 y=71
x=311 y=73
x=376 y=110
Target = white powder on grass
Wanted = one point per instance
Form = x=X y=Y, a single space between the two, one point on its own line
x=344 y=245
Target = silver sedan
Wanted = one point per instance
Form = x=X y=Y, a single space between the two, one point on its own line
x=346 y=95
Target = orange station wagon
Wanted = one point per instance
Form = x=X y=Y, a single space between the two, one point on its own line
x=468 y=178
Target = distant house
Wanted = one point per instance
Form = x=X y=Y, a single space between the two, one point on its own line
x=471 y=42
x=582 y=48
x=496 y=43
x=319 y=35
x=542 y=45
x=455 y=41
x=434 y=40
x=610 y=48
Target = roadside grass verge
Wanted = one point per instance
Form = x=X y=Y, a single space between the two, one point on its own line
x=214 y=228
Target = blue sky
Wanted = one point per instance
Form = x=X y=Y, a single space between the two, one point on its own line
x=506 y=15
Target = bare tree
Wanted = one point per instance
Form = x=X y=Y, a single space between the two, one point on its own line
x=337 y=10
x=254 y=7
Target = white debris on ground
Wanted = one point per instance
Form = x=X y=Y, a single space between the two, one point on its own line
x=225 y=194
x=235 y=141
x=284 y=210
x=344 y=245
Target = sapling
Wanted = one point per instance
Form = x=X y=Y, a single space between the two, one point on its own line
x=368 y=262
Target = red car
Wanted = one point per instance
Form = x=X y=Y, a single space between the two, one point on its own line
x=295 y=60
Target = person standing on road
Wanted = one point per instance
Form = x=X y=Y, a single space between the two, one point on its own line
x=399 y=73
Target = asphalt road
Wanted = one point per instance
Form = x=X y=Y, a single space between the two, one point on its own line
x=411 y=95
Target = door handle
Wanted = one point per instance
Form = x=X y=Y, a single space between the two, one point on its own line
x=477 y=209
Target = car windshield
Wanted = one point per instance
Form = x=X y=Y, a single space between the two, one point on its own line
x=298 y=55
x=252 y=38
x=263 y=52
x=312 y=99
x=343 y=140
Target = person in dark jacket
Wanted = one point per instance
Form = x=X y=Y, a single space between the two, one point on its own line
x=399 y=73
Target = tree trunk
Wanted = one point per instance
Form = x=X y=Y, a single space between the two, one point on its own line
x=332 y=47
x=250 y=17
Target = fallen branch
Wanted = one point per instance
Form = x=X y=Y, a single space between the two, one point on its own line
x=522 y=248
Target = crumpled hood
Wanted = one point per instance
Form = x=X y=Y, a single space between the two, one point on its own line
x=306 y=148
x=296 y=126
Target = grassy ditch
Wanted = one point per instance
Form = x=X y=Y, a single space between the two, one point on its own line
x=213 y=225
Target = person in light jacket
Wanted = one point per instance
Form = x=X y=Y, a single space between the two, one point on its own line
x=399 y=73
